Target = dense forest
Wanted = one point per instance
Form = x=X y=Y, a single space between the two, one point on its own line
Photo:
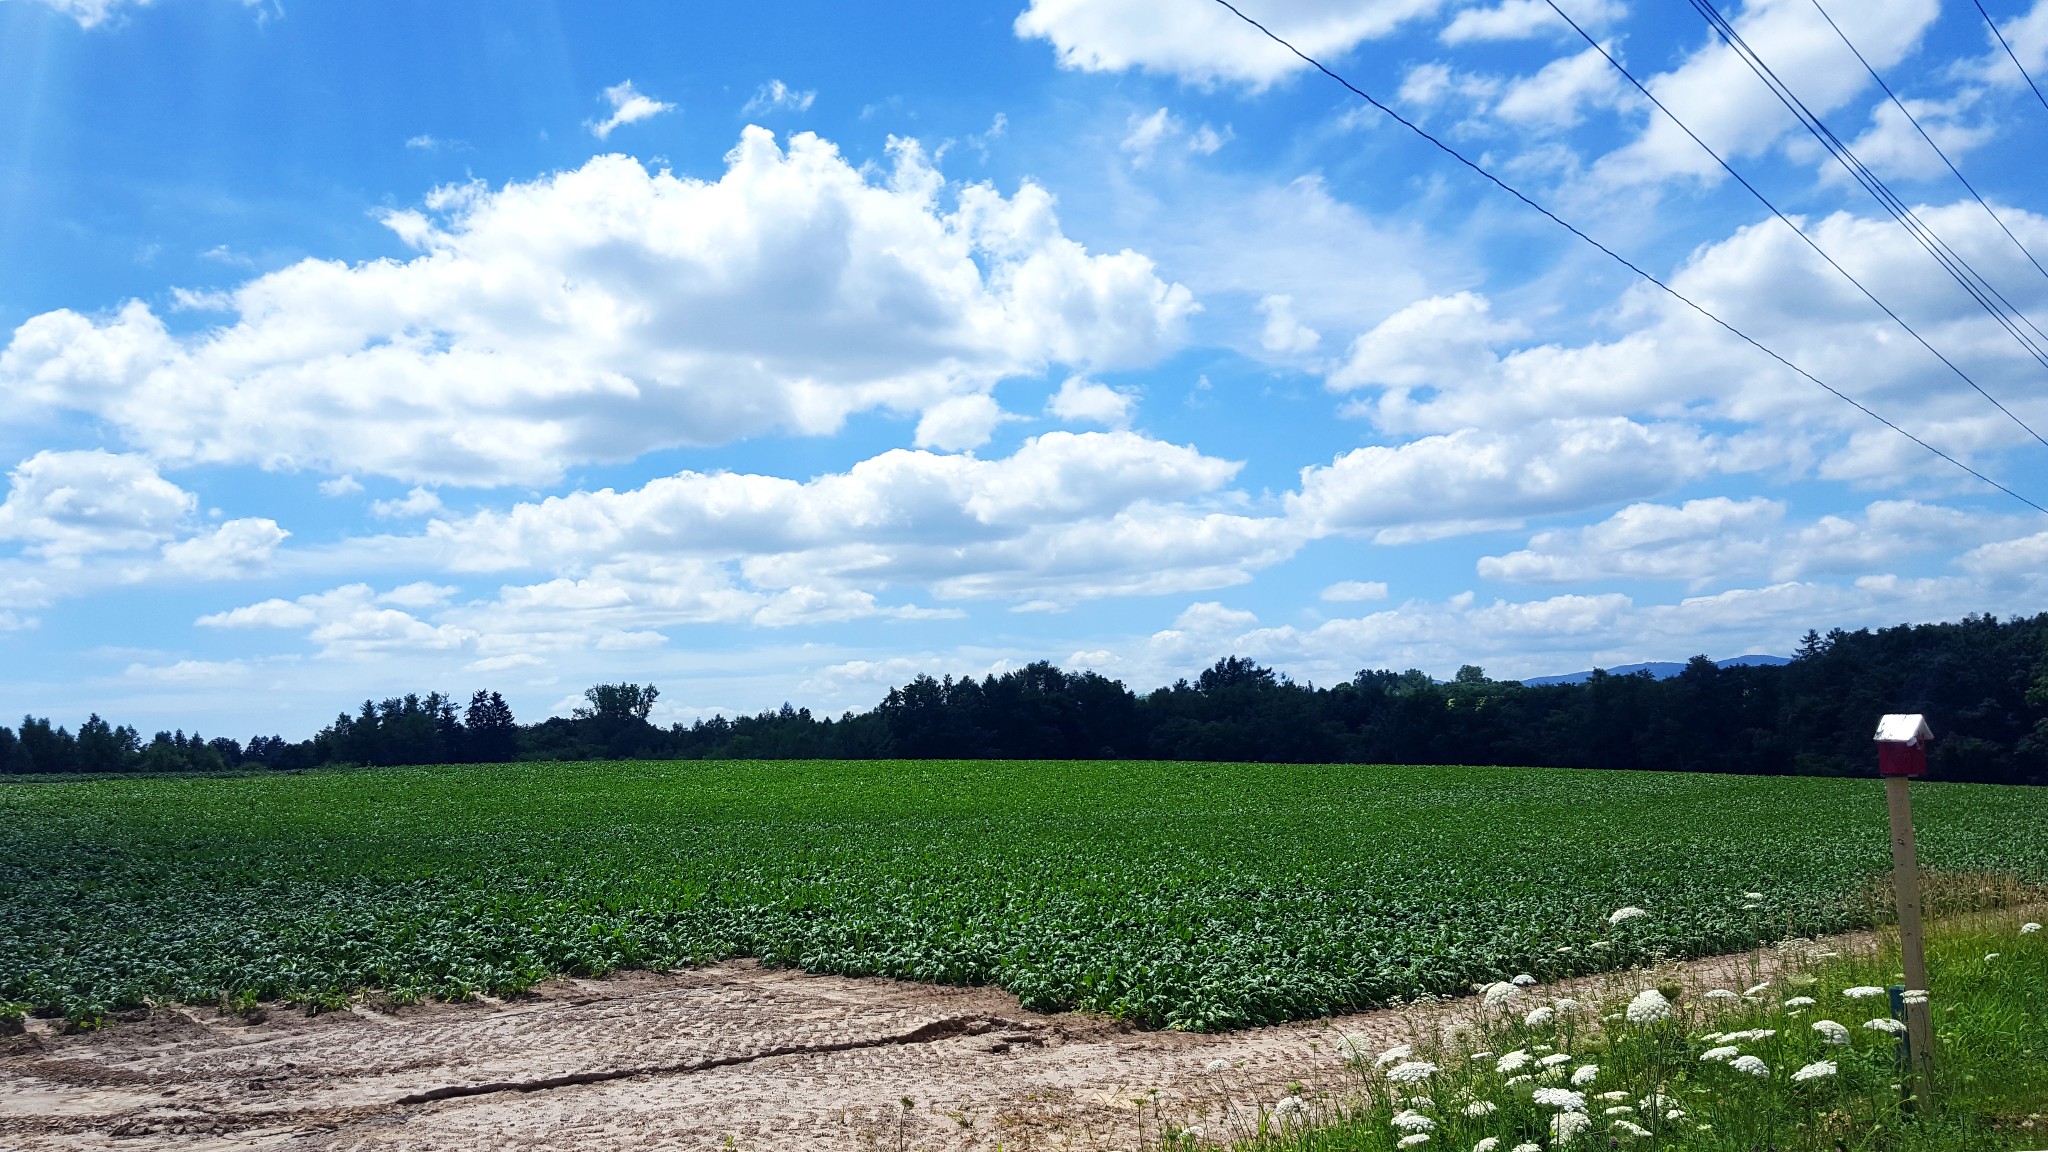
x=1983 y=684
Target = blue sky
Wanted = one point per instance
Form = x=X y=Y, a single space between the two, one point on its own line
x=784 y=351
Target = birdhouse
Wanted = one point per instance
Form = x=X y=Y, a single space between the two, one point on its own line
x=1902 y=744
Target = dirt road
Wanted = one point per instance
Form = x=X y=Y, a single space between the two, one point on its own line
x=733 y=1056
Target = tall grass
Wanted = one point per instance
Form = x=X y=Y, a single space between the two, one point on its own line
x=1798 y=1059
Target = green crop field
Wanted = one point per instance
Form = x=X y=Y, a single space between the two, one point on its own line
x=1190 y=895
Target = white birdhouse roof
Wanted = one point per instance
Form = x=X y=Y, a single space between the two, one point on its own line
x=1903 y=728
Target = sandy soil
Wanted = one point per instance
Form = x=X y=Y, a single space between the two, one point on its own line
x=734 y=1056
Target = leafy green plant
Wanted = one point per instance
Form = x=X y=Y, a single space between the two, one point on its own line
x=1195 y=896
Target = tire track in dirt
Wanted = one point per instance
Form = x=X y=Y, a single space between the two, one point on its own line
x=734 y=1056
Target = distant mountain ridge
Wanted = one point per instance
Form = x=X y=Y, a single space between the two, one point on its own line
x=1661 y=669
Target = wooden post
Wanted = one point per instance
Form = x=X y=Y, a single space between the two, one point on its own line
x=1912 y=946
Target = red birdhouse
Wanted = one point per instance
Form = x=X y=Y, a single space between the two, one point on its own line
x=1902 y=744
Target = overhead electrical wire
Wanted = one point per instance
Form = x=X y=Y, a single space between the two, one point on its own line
x=1788 y=222
x=2010 y=54
x=1618 y=258
x=1979 y=289
x=1915 y=122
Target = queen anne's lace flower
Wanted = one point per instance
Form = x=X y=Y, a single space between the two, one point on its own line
x=1721 y=994
x=1628 y=913
x=1818 y=1070
x=1585 y=1074
x=1501 y=993
x=1724 y=1052
x=1563 y=1098
x=1218 y=1065
x=1412 y=1072
x=1556 y=1058
x=1862 y=992
x=1886 y=1024
x=1800 y=1002
x=1512 y=1062
x=1409 y=1120
x=1527 y=1148
x=1628 y=1128
x=1831 y=1031
x=1648 y=1007
x=1415 y=1141
x=1522 y=980
x=1611 y=1097
x=1479 y=1108
x=1490 y=1144
x=1394 y=1055
x=1566 y=1127
x=1756 y=989
x=1290 y=1108
x=1754 y=1034
x=1750 y=1065
x=1620 y=1110
x=2029 y=928
x=1540 y=1017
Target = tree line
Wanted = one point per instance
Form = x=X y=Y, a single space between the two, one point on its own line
x=1982 y=682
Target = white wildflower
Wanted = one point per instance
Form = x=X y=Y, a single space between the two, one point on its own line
x=1522 y=980
x=1831 y=1031
x=1290 y=1108
x=1675 y=1114
x=1567 y=1005
x=1419 y=1102
x=1526 y=1148
x=1416 y=1140
x=1501 y=993
x=1718 y=1055
x=1490 y=1144
x=1479 y=1108
x=1620 y=1110
x=1408 y=1120
x=1751 y=1036
x=1628 y=1128
x=1654 y=1101
x=1751 y=907
x=1648 y=1006
x=1721 y=994
x=1800 y=1002
x=1586 y=1074
x=1394 y=1055
x=1862 y=992
x=1752 y=895
x=1628 y=913
x=1563 y=1098
x=1818 y=1070
x=1757 y=989
x=1913 y=996
x=1412 y=1072
x=1556 y=1058
x=1750 y=1065
x=1540 y=1017
x=1565 y=1127
x=1990 y=956
x=1218 y=1065
x=1512 y=1062
x=2029 y=928
x=1482 y=1056
x=1611 y=1097
x=1524 y=1078
x=1886 y=1024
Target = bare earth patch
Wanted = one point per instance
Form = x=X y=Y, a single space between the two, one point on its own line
x=732 y=1056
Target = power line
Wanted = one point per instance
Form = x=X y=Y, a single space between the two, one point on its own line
x=1914 y=121
x=1617 y=257
x=1787 y=222
x=1979 y=289
x=2010 y=54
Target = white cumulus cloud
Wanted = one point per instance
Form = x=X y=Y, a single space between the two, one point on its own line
x=1204 y=42
x=629 y=106
x=600 y=313
x=64 y=505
